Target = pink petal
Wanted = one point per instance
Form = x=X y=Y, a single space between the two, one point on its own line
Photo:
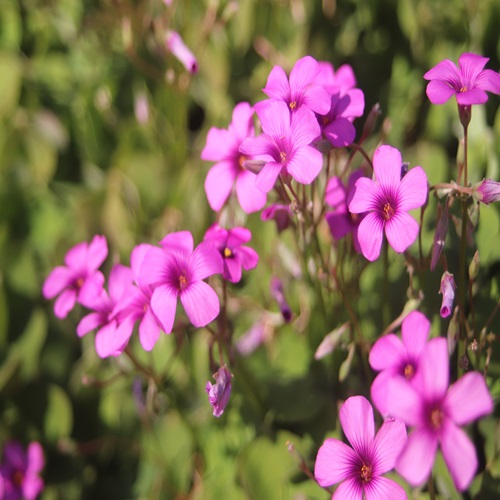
x=335 y=194
x=219 y=145
x=403 y=401
x=381 y=488
x=303 y=74
x=446 y=71
x=249 y=258
x=370 y=233
x=242 y=120
x=205 y=261
x=32 y=486
x=238 y=236
x=92 y=290
x=356 y=106
x=378 y=391
x=137 y=257
x=387 y=166
x=459 y=454
x=415 y=332
x=105 y=342
x=439 y=92
x=389 y=441
x=89 y=322
x=232 y=270
x=149 y=331
x=155 y=265
x=65 y=303
x=275 y=120
x=350 y=489
x=305 y=164
x=340 y=132
x=262 y=146
x=180 y=242
x=219 y=183
x=489 y=80
x=472 y=96
x=412 y=191
x=317 y=99
x=266 y=179
x=356 y=417
x=59 y=278
x=434 y=369
x=339 y=223
x=163 y=305
x=277 y=86
x=468 y=399
x=120 y=278
x=365 y=197
x=334 y=463
x=304 y=128
x=97 y=252
x=401 y=231
x=36 y=460
x=250 y=198
x=417 y=458
x=201 y=303
x=387 y=352
x=76 y=257
x=470 y=66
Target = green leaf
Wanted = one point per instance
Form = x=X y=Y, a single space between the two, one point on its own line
x=10 y=82
x=59 y=414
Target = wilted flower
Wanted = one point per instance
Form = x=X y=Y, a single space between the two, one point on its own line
x=282 y=214
x=176 y=45
x=447 y=289
x=359 y=469
x=488 y=191
x=276 y=287
x=218 y=394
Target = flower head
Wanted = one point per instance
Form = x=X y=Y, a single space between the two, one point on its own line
x=469 y=82
x=19 y=471
x=218 y=394
x=488 y=191
x=79 y=279
x=222 y=146
x=388 y=200
x=359 y=469
x=179 y=49
x=447 y=289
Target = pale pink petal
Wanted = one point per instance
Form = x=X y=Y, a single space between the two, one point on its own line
x=350 y=489
x=459 y=454
x=205 y=261
x=249 y=258
x=378 y=391
x=365 y=196
x=387 y=166
x=415 y=332
x=266 y=179
x=370 y=233
x=439 y=92
x=97 y=252
x=163 y=305
x=335 y=462
x=219 y=183
x=250 y=198
x=417 y=458
x=120 y=278
x=345 y=77
x=219 y=145
x=77 y=256
x=201 y=303
x=275 y=120
x=382 y=488
x=242 y=120
x=36 y=460
x=304 y=128
x=305 y=164
x=389 y=441
x=90 y=322
x=401 y=231
x=105 y=342
x=137 y=257
x=468 y=399
x=356 y=417
x=277 y=86
x=387 y=352
x=65 y=303
x=154 y=267
x=489 y=80
x=470 y=66
x=434 y=368
x=412 y=191
x=58 y=279
x=404 y=401
x=149 y=330
x=232 y=270
x=180 y=241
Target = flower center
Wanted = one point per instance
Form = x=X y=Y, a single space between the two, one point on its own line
x=436 y=418
x=283 y=156
x=409 y=371
x=17 y=478
x=326 y=120
x=182 y=282
x=463 y=88
x=388 y=211
x=242 y=159
x=79 y=283
x=227 y=253
x=365 y=473
x=293 y=105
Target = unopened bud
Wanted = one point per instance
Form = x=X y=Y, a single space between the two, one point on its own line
x=447 y=289
x=474 y=267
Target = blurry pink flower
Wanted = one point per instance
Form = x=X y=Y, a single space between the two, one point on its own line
x=285 y=145
x=19 y=471
x=282 y=214
x=218 y=394
x=178 y=48
x=229 y=243
x=395 y=357
x=79 y=279
x=252 y=338
x=388 y=200
x=276 y=288
x=340 y=81
x=301 y=90
x=469 y=82
x=489 y=191
x=141 y=108
x=359 y=469
x=447 y=289
x=177 y=271
x=436 y=412
x=222 y=146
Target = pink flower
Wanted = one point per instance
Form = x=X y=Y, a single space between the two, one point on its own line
x=176 y=45
x=222 y=146
x=301 y=91
x=19 y=471
x=359 y=469
x=282 y=214
x=113 y=333
x=79 y=279
x=218 y=394
x=436 y=413
x=469 y=82
x=489 y=191
x=447 y=289
x=333 y=81
x=388 y=200
x=177 y=271
x=393 y=357
x=285 y=145
x=229 y=243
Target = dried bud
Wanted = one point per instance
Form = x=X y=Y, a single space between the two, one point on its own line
x=447 y=289
x=474 y=345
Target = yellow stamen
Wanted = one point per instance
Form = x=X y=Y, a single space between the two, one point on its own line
x=366 y=473
x=283 y=157
x=293 y=105
x=227 y=253
x=436 y=418
x=388 y=211
x=409 y=371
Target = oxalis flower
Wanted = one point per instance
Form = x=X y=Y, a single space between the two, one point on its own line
x=359 y=469
x=388 y=199
x=436 y=412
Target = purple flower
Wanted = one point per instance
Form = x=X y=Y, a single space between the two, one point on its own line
x=285 y=145
x=175 y=44
x=229 y=243
x=489 y=191
x=388 y=200
x=79 y=279
x=340 y=220
x=222 y=146
x=19 y=471
x=218 y=394
x=301 y=91
x=393 y=357
x=447 y=289
x=177 y=271
x=359 y=469
x=469 y=82
x=282 y=214
x=113 y=333
x=436 y=413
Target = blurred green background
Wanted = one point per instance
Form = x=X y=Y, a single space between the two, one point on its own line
x=75 y=161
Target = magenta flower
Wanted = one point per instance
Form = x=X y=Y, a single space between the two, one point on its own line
x=218 y=394
x=333 y=81
x=282 y=215
x=301 y=91
x=359 y=469
x=229 y=243
x=469 y=82
x=175 y=45
x=19 y=471
x=489 y=191
x=222 y=146
x=447 y=289
x=177 y=271
x=285 y=145
x=388 y=200
x=393 y=357
x=79 y=279
x=436 y=413
x=113 y=333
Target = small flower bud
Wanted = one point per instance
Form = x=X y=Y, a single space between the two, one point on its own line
x=488 y=191
x=218 y=394
x=447 y=289
x=280 y=213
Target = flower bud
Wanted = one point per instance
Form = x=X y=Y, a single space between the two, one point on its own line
x=447 y=289
x=218 y=394
x=176 y=45
x=489 y=191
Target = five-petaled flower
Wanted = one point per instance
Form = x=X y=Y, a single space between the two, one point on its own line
x=359 y=469
x=388 y=199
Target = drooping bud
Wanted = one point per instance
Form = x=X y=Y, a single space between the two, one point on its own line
x=218 y=394
x=447 y=289
x=276 y=287
x=488 y=191
x=178 y=48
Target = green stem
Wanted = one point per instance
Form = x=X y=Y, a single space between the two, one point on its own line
x=386 y=306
